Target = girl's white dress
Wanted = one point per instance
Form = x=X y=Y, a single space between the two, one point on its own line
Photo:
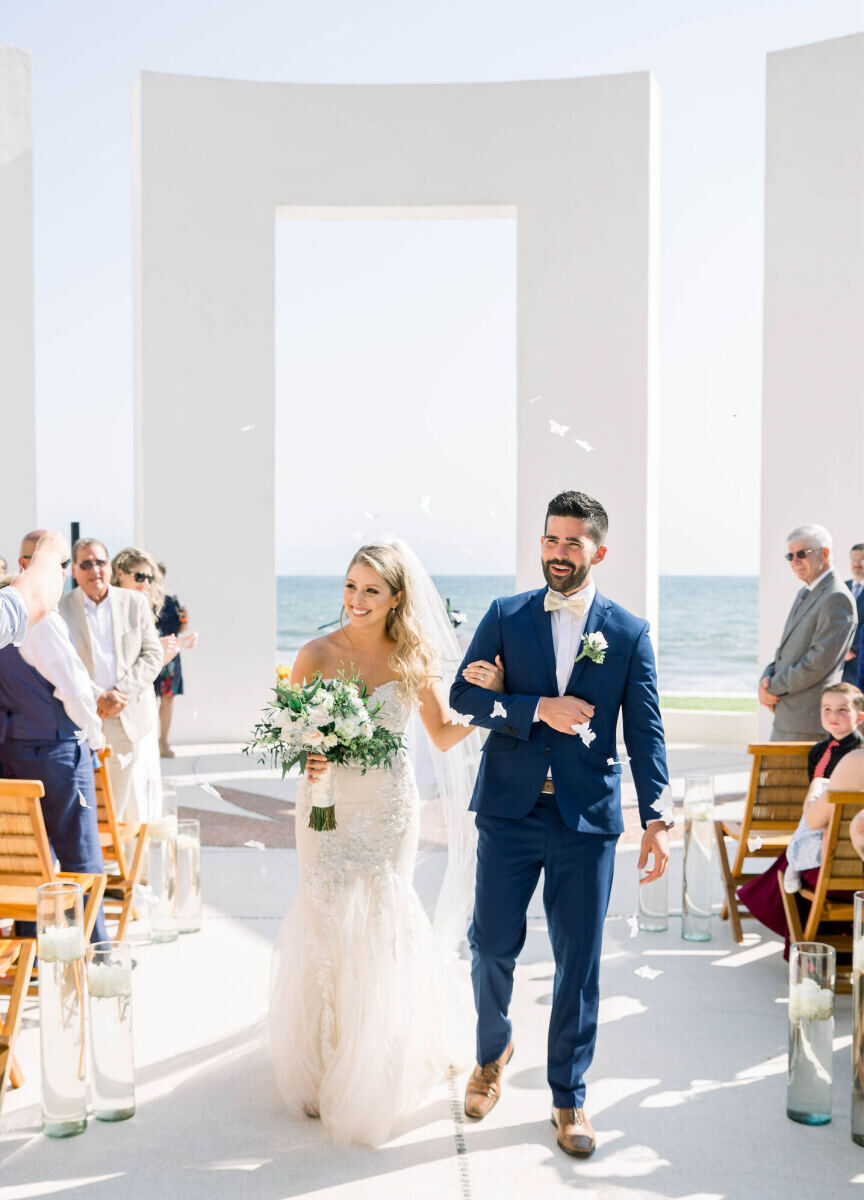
x=366 y=1012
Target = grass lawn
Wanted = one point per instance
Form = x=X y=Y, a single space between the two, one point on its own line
x=715 y=703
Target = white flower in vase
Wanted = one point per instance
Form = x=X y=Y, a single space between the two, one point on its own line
x=105 y=980
x=810 y=1002
x=858 y=957
x=61 y=943
x=163 y=828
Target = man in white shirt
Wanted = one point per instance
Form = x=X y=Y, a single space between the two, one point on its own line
x=29 y=597
x=48 y=726
x=114 y=632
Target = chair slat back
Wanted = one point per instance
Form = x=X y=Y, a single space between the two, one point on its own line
x=25 y=853
x=106 y=813
x=778 y=784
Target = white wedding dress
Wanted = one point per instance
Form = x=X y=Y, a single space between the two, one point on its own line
x=366 y=1012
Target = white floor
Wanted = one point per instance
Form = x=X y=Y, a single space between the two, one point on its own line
x=687 y=1091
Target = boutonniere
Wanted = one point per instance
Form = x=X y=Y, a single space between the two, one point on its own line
x=594 y=646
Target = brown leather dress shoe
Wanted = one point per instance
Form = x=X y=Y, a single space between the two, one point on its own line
x=484 y=1086
x=575 y=1132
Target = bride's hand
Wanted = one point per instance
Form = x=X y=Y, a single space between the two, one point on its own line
x=486 y=675
x=316 y=767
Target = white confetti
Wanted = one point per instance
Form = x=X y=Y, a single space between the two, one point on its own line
x=585 y=732
x=610 y=762
x=555 y=428
x=534 y=399
x=633 y=925
x=80 y=737
x=457 y=718
x=246 y=428
x=254 y=845
x=426 y=505
x=82 y=799
x=467 y=552
x=210 y=790
x=358 y=535
x=498 y=709
x=586 y=446
x=493 y=514
x=754 y=843
x=647 y=973
x=195 y=715
x=370 y=516
x=124 y=760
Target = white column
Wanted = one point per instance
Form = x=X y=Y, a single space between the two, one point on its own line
x=813 y=396
x=17 y=390
x=215 y=160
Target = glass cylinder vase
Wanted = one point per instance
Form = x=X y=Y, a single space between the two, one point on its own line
x=162 y=877
x=188 y=875
x=62 y=1041
x=109 y=984
x=698 y=858
x=812 y=973
x=653 y=911
x=858 y=1022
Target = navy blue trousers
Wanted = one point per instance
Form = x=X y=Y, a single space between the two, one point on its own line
x=65 y=769
x=578 y=870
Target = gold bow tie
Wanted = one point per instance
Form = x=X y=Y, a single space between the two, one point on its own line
x=553 y=601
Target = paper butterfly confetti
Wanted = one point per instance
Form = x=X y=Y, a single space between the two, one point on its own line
x=124 y=760
x=554 y=427
x=457 y=718
x=647 y=973
x=498 y=709
x=426 y=505
x=610 y=762
x=467 y=552
x=210 y=790
x=586 y=446
x=82 y=799
x=358 y=535
x=195 y=715
x=246 y=428
x=754 y=843
x=254 y=845
x=80 y=737
x=633 y=923
x=370 y=516
x=585 y=732
x=534 y=399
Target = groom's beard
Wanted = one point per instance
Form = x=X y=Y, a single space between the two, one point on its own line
x=564 y=583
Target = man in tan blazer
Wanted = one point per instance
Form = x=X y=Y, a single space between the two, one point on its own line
x=115 y=635
x=812 y=650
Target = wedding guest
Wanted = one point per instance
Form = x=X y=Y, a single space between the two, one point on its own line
x=114 y=633
x=842 y=712
x=48 y=727
x=169 y=682
x=856 y=587
x=28 y=598
x=817 y=634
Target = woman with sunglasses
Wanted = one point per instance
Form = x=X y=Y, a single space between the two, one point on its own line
x=135 y=569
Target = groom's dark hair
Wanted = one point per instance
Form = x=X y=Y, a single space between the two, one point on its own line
x=584 y=508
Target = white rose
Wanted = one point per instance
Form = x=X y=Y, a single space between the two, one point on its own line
x=324 y=699
x=313 y=737
x=319 y=715
x=597 y=641
x=283 y=719
x=330 y=740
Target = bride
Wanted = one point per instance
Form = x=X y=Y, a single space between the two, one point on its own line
x=367 y=1013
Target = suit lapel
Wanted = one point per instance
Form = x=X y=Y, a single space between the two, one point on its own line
x=82 y=633
x=803 y=605
x=543 y=625
x=597 y=618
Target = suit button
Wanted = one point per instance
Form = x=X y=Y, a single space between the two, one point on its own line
x=548 y=749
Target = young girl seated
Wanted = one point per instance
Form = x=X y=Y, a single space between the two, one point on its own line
x=842 y=714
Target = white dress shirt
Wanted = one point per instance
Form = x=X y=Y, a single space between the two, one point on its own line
x=48 y=648
x=13 y=617
x=101 y=625
x=567 y=631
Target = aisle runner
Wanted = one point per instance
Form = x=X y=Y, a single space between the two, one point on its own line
x=457 y=1116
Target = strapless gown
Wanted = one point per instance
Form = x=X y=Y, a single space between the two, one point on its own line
x=367 y=1014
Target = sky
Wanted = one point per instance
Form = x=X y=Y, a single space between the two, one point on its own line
x=423 y=366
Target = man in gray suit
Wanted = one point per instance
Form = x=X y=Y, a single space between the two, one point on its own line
x=818 y=632
x=115 y=635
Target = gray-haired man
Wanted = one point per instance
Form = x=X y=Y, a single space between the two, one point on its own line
x=818 y=632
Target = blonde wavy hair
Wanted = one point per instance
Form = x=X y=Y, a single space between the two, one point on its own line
x=132 y=559
x=411 y=659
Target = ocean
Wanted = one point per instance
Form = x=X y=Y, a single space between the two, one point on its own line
x=708 y=635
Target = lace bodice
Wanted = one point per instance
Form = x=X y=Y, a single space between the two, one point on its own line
x=395 y=711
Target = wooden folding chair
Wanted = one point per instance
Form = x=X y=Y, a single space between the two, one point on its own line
x=772 y=810
x=26 y=860
x=18 y=955
x=831 y=901
x=114 y=837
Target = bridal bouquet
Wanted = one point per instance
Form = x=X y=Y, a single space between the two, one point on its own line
x=334 y=718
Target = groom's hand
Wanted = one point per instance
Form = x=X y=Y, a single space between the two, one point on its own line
x=563 y=712
x=655 y=840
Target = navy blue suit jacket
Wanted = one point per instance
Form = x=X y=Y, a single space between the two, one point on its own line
x=852 y=670
x=519 y=751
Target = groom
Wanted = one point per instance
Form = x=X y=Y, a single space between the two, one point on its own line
x=548 y=796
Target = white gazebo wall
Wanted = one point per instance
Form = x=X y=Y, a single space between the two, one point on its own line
x=217 y=161
x=17 y=388
x=813 y=397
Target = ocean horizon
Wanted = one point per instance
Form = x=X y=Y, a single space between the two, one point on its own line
x=707 y=637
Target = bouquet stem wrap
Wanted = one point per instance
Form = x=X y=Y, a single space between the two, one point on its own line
x=322 y=815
